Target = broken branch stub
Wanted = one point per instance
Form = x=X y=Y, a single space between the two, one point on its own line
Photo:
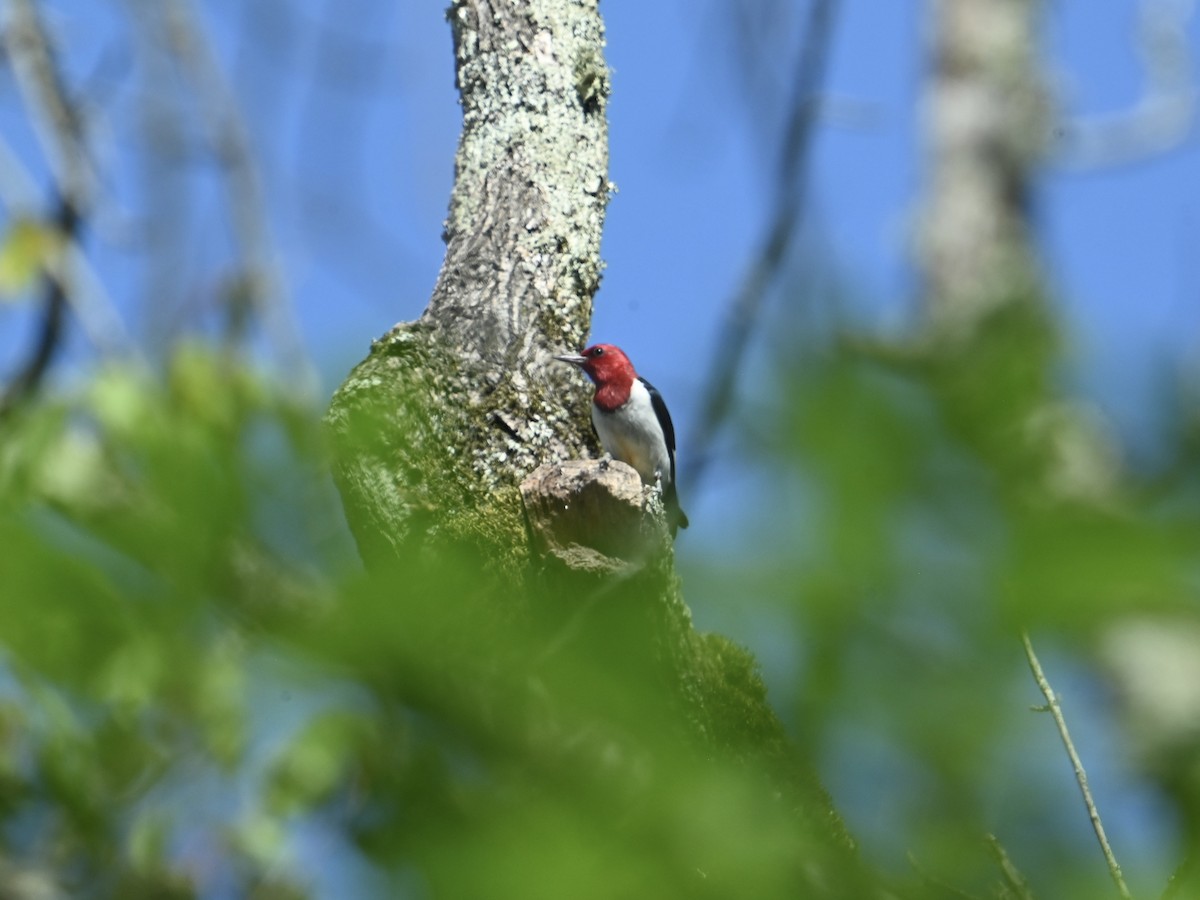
x=593 y=515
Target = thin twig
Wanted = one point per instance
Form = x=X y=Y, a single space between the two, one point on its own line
x=189 y=45
x=58 y=126
x=1013 y=879
x=1162 y=118
x=49 y=334
x=786 y=219
x=67 y=279
x=1052 y=705
x=56 y=118
x=1183 y=872
x=83 y=289
x=943 y=888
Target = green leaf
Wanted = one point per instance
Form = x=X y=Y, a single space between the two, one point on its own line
x=316 y=762
x=27 y=249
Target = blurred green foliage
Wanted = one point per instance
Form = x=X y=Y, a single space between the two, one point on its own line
x=203 y=695
x=951 y=496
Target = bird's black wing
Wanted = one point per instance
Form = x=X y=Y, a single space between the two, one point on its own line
x=670 y=497
x=664 y=419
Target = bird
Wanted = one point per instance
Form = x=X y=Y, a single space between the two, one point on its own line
x=632 y=420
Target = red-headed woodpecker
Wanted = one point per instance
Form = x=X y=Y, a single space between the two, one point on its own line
x=632 y=421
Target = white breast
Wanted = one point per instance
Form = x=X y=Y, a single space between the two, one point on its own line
x=631 y=433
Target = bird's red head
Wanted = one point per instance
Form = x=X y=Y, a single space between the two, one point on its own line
x=607 y=364
x=604 y=364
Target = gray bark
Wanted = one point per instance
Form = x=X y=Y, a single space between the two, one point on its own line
x=988 y=329
x=437 y=426
x=435 y=430
x=986 y=125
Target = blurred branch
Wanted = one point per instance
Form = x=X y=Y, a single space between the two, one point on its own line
x=1183 y=873
x=1055 y=709
x=60 y=132
x=985 y=318
x=58 y=125
x=56 y=119
x=936 y=885
x=985 y=120
x=46 y=343
x=261 y=286
x=87 y=297
x=786 y=219
x=18 y=189
x=1014 y=881
x=1163 y=117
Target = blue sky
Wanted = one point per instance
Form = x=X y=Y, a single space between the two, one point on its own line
x=692 y=158
x=351 y=106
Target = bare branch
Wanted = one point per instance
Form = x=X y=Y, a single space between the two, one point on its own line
x=1163 y=117
x=86 y=294
x=50 y=330
x=262 y=283
x=986 y=125
x=746 y=309
x=60 y=132
x=1183 y=874
x=936 y=884
x=18 y=189
x=1014 y=881
x=1055 y=709
x=56 y=119
x=59 y=127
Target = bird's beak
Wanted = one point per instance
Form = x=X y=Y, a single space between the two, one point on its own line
x=573 y=360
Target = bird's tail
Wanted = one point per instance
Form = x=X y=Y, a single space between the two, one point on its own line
x=676 y=517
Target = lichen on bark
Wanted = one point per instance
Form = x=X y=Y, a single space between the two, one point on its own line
x=434 y=429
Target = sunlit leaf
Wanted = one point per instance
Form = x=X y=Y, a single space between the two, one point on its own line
x=25 y=251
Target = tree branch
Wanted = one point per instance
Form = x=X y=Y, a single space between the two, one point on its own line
x=59 y=128
x=1162 y=118
x=261 y=285
x=788 y=215
x=50 y=330
x=449 y=412
x=56 y=119
x=1014 y=881
x=987 y=127
x=1055 y=709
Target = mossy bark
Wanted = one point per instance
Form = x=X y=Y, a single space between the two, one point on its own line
x=437 y=427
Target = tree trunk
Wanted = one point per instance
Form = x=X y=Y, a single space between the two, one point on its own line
x=438 y=425
x=439 y=430
x=986 y=124
x=988 y=333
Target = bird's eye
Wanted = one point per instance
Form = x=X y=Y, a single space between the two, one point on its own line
x=597 y=351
